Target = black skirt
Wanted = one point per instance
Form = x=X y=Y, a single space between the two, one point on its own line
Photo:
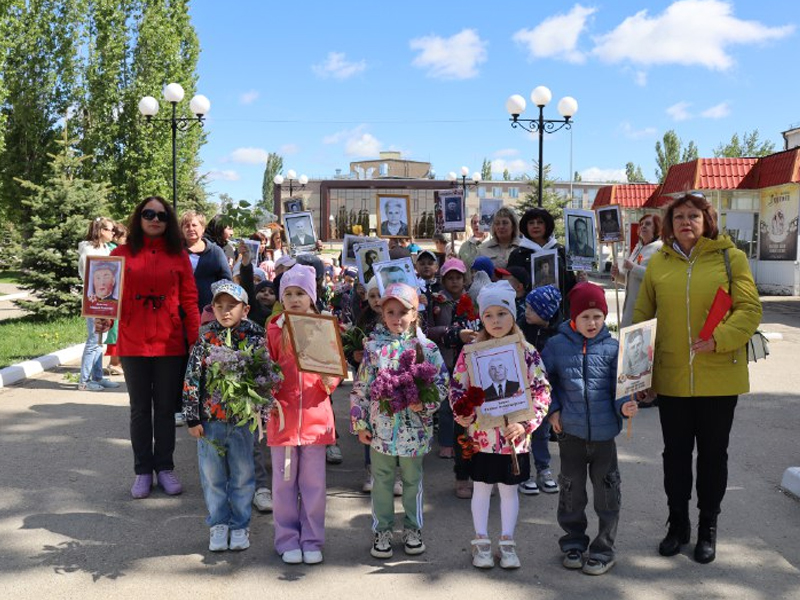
x=496 y=468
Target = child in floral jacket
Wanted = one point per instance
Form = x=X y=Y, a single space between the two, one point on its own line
x=403 y=436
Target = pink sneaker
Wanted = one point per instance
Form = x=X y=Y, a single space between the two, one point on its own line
x=142 y=486
x=169 y=483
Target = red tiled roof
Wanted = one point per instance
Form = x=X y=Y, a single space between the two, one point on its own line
x=708 y=174
x=630 y=195
x=657 y=198
x=776 y=169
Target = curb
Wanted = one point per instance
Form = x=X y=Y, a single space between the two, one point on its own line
x=28 y=368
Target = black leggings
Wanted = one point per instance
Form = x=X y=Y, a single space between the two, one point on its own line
x=706 y=420
x=154 y=388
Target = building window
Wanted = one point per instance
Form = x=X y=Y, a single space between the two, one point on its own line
x=497 y=192
x=481 y=192
x=513 y=192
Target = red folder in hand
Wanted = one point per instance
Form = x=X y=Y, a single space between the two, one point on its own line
x=719 y=308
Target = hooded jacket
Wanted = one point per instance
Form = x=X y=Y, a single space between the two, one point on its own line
x=681 y=290
x=583 y=374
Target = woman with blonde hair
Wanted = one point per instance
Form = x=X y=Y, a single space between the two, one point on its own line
x=504 y=240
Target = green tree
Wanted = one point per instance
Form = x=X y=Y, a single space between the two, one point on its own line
x=750 y=146
x=634 y=174
x=273 y=167
x=577 y=177
x=552 y=201
x=60 y=208
x=486 y=170
x=672 y=153
x=506 y=175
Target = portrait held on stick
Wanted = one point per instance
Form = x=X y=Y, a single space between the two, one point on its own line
x=300 y=231
x=580 y=238
x=609 y=223
x=453 y=213
x=349 y=247
x=102 y=287
x=544 y=268
x=400 y=270
x=635 y=361
x=367 y=254
x=394 y=215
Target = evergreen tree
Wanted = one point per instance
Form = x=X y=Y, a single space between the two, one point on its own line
x=486 y=170
x=60 y=208
x=690 y=153
x=552 y=201
x=750 y=147
x=633 y=173
x=577 y=177
x=672 y=153
x=273 y=167
x=506 y=175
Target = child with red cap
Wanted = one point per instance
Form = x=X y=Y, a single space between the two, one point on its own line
x=581 y=362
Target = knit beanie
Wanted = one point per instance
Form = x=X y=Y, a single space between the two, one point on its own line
x=584 y=296
x=500 y=294
x=544 y=301
x=484 y=263
x=301 y=276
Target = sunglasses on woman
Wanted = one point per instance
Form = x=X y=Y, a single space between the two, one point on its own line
x=148 y=214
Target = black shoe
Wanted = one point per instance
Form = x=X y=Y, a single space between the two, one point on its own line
x=678 y=534
x=706 y=549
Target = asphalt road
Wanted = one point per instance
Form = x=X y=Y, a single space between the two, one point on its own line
x=69 y=529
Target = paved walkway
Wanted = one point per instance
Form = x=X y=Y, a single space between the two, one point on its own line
x=8 y=293
x=69 y=528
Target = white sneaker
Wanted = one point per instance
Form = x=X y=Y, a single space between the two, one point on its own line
x=240 y=539
x=333 y=455
x=530 y=487
x=292 y=557
x=108 y=384
x=262 y=500
x=412 y=541
x=180 y=419
x=366 y=487
x=547 y=482
x=90 y=386
x=482 y=557
x=312 y=557
x=218 y=538
x=508 y=554
x=398 y=486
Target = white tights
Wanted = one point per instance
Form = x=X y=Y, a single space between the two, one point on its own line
x=509 y=508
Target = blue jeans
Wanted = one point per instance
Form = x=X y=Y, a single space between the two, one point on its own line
x=92 y=360
x=228 y=481
x=539 y=448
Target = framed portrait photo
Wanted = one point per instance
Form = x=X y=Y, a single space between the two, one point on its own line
x=102 y=287
x=317 y=344
x=544 y=268
x=635 y=361
x=609 y=223
x=453 y=212
x=394 y=216
x=581 y=240
x=488 y=207
x=400 y=270
x=293 y=205
x=349 y=247
x=255 y=247
x=300 y=231
x=367 y=254
x=498 y=367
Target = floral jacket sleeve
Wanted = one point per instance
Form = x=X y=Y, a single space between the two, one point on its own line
x=492 y=440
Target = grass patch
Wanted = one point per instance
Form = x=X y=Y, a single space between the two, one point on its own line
x=10 y=277
x=25 y=338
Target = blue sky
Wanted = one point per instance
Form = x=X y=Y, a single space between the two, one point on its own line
x=325 y=83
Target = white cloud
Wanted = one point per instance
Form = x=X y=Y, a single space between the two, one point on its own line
x=640 y=78
x=506 y=152
x=515 y=167
x=598 y=174
x=223 y=175
x=337 y=66
x=556 y=37
x=363 y=145
x=288 y=149
x=679 y=111
x=718 y=111
x=456 y=57
x=688 y=32
x=248 y=97
x=249 y=156
x=637 y=134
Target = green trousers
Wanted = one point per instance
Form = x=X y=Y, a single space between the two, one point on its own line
x=383 y=472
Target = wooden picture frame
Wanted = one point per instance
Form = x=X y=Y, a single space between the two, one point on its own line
x=103 y=275
x=515 y=405
x=316 y=343
x=391 y=210
x=293 y=205
x=609 y=224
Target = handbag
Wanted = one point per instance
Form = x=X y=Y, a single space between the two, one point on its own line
x=758 y=344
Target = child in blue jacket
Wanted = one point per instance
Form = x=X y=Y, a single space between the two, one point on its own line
x=581 y=362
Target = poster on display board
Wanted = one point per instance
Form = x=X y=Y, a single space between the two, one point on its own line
x=778 y=226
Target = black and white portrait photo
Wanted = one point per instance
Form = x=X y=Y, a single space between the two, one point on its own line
x=453 y=211
x=609 y=220
x=488 y=207
x=580 y=238
x=300 y=231
x=293 y=205
x=544 y=268
x=367 y=254
x=394 y=215
x=400 y=270
x=349 y=247
x=635 y=361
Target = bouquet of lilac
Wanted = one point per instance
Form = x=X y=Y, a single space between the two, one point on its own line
x=411 y=383
x=242 y=381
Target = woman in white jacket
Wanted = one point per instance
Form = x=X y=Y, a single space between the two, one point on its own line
x=101 y=232
x=635 y=265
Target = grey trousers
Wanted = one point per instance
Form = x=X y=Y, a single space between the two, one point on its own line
x=600 y=459
x=261 y=462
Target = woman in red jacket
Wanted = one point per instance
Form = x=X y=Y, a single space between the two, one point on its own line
x=158 y=325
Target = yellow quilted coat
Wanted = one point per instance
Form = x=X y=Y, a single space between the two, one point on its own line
x=680 y=292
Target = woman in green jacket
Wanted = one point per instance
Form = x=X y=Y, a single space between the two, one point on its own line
x=697 y=381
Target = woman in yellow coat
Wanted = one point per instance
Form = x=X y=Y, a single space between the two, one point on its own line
x=698 y=382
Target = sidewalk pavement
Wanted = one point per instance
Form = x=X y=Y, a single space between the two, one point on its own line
x=71 y=530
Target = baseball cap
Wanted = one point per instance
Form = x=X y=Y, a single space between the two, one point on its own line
x=453 y=264
x=403 y=293
x=225 y=286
